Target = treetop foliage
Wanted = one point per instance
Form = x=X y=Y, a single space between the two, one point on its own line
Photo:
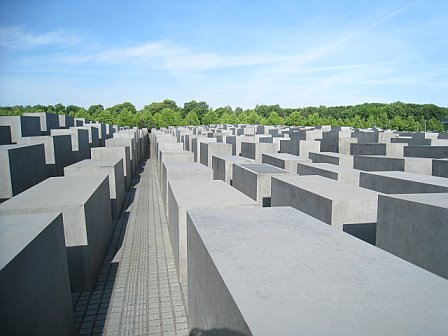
x=398 y=115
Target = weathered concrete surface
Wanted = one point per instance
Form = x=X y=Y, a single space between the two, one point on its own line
x=402 y=183
x=21 y=167
x=80 y=142
x=58 y=151
x=284 y=161
x=277 y=271
x=388 y=163
x=343 y=206
x=435 y=152
x=415 y=228
x=440 y=167
x=189 y=195
x=208 y=150
x=388 y=149
x=116 y=153
x=223 y=166
x=113 y=168
x=85 y=205
x=21 y=126
x=334 y=172
x=173 y=171
x=343 y=160
x=255 y=151
x=34 y=283
x=254 y=180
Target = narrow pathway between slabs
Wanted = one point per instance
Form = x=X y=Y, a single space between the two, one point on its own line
x=137 y=291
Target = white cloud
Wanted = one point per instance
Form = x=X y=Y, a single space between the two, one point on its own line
x=18 y=38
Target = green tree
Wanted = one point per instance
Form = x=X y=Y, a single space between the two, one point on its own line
x=211 y=117
x=274 y=119
x=200 y=108
x=295 y=119
x=229 y=118
x=191 y=119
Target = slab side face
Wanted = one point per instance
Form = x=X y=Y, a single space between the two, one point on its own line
x=34 y=283
x=290 y=274
x=415 y=228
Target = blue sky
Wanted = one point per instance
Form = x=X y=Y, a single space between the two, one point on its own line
x=238 y=53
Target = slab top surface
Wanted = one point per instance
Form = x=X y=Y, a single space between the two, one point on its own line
x=95 y=163
x=439 y=200
x=233 y=158
x=185 y=166
x=55 y=192
x=285 y=156
x=263 y=168
x=332 y=168
x=436 y=180
x=18 y=231
x=206 y=193
x=291 y=274
x=328 y=188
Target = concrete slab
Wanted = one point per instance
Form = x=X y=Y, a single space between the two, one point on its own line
x=122 y=142
x=343 y=160
x=190 y=195
x=394 y=182
x=386 y=149
x=5 y=135
x=208 y=150
x=122 y=153
x=85 y=205
x=112 y=167
x=66 y=121
x=174 y=156
x=388 y=163
x=254 y=180
x=21 y=126
x=277 y=271
x=415 y=228
x=343 y=206
x=255 y=151
x=48 y=121
x=223 y=166
x=284 y=161
x=21 y=167
x=58 y=151
x=435 y=152
x=80 y=142
x=440 y=167
x=331 y=171
x=196 y=146
x=94 y=139
x=174 y=171
x=34 y=283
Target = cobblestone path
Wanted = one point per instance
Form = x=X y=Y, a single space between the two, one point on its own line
x=137 y=291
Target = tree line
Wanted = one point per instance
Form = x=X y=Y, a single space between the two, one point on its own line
x=399 y=116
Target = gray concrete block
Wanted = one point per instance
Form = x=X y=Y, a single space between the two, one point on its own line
x=223 y=166
x=343 y=206
x=255 y=151
x=123 y=142
x=277 y=271
x=208 y=150
x=387 y=163
x=101 y=132
x=435 y=152
x=112 y=167
x=236 y=141
x=66 y=121
x=116 y=153
x=343 y=160
x=34 y=283
x=80 y=142
x=173 y=156
x=254 y=180
x=299 y=147
x=415 y=228
x=284 y=161
x=21 y=126
x=440 y=167
x=334 y=172
x=21 y=167
x=190 y=195
x=5 y=135
x=94 y=140
x=169 y=146
x=85 y=205
x=48 y=121
x=79 y=122
x=58 y=151
x=196 y=146
x=389 y=149
x=402 y=183
x=174 y=171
